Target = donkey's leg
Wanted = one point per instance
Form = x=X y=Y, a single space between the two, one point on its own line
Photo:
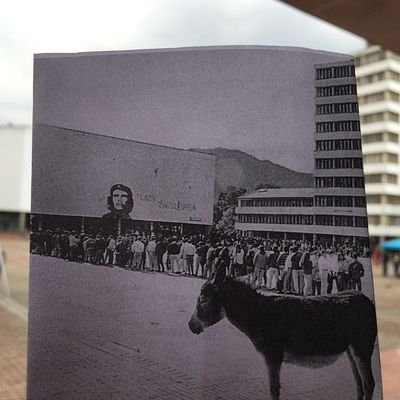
x=363 y=362
x=367 y=377
x=274 y=362
x=357 y=377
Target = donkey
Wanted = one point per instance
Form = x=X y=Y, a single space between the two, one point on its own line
x=309 y=331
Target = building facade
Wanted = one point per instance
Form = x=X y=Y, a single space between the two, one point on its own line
x=15 y=176
x=334 y=209
x=378 y=82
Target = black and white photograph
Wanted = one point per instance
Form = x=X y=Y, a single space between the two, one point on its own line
x=199 y=227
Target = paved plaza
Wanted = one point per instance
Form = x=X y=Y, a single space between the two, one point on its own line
x=105 y=333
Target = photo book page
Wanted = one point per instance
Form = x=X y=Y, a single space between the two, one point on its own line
x=199 y=228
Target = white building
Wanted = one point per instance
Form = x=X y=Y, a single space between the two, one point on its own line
x=15 y=176
x=378 y=84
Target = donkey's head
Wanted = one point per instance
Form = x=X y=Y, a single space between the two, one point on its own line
x=209 y=309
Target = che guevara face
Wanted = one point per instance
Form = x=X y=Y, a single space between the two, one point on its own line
x=119 y=198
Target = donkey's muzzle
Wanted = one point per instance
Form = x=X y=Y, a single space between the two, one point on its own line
x=195 y=325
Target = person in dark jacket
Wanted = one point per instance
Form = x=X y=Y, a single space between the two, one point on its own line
x=307 y=273
x=201 y=251
x=272 y=269
x=100 y=249
x=173 y=255
x=224 y=255
x=161 y=248
x=356 y=272
x=297 y=271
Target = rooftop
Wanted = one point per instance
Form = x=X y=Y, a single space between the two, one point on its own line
x=286 y=192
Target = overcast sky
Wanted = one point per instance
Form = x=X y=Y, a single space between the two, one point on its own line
x=44 y=26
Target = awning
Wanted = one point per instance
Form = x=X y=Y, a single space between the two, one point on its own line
x=392 y=245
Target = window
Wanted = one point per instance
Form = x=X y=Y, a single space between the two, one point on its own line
x=324 y=220
x=395 y=200
x=276 y=219
x=373 y=158
x=337 y=90
x=372 y=138
x=335 y=72
x=374 y=199
x=337 y=108
x=324 y=201
x=278 y=202
x=393 y=96
x=390 y=178
x=391 y=116
x=374 y=219
x=393 y=75
x=371 y=98
x=374 y=178
x=340 y=201
x=360 y=201
x=343 y=220
x=392 y=158
x=361 y=222
x=374 y=57
x=343 y=182
x=379 y=76
x=377 y=117
x=338 y=163
x=337 y=126
x=381 y=178
x=392 y=137
x=380 y=137
x=393 y=220
x=343 y=201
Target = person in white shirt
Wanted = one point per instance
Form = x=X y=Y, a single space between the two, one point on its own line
x=137 y=250
x=110 y=250
x=188 y=250
x=151 y=250
x=324 y=266
x=287 y=280
x=238 y=262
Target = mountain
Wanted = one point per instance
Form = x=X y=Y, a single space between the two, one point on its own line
x=242 y=170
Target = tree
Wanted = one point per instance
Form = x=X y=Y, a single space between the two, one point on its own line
x=224 y=210
x=226 y=225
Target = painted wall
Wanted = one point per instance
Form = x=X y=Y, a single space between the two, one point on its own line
x=73 y=172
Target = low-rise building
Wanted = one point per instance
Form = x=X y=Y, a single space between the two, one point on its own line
x=15 y=176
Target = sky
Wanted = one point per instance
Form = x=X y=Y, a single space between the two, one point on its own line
x=45 y=26
x=256 y=99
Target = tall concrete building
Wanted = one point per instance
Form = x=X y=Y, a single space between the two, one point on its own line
x=339 y=197
x=378 y=80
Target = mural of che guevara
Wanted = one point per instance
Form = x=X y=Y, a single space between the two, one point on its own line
x=119 y=202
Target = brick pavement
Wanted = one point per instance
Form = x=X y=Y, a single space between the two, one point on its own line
x=13 y=331
x=17 y=255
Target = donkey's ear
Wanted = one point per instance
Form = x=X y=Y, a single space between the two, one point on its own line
x=220 y=275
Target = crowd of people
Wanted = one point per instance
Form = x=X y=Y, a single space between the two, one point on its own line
x=286 y=266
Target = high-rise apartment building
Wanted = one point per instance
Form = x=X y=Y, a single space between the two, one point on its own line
x=378 y=80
